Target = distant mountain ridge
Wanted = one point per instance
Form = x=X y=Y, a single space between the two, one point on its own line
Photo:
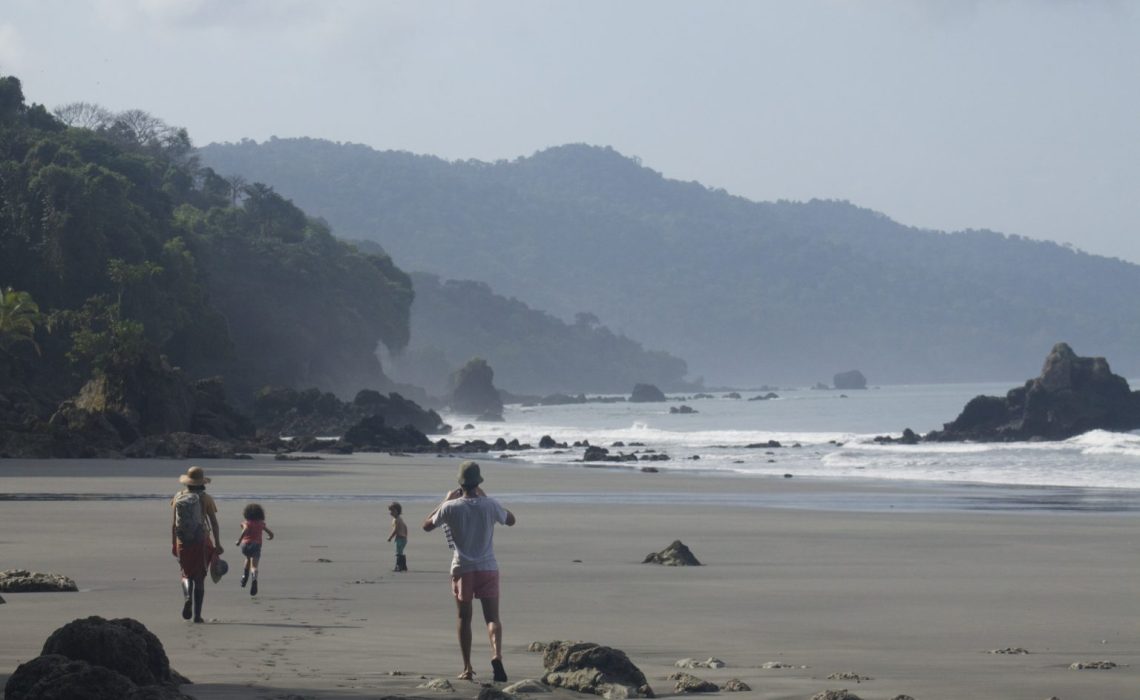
x=746 y=292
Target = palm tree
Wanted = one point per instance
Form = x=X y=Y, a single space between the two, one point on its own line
x=19 y=315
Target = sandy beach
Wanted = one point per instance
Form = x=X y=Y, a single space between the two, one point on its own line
x=911 y=598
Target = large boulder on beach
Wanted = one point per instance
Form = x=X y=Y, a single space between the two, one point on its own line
x=24 y=581
x=852 y=379
x=646 y=393
x=57 y=677
x=676 y=554
x=1073 y=395
x=587 y=667
x=124 y=645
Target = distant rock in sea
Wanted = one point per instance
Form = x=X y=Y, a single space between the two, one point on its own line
x=474 y=391
x=852 y=379
x=645 y=393
x=1073 y=395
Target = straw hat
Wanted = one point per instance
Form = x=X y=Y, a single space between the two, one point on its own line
x=194 y=476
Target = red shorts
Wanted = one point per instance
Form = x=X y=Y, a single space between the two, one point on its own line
x=475 y=584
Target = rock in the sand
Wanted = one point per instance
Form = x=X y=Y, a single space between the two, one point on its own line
x=735 y=685
x=540 y=646
x=1092 y=666
x=848 y=676
x=1009 y=650
x=440 y=684
x=592 y=668
x=688 y=683
x=58 y=677
x=24 y=581
x=526 y=687
x=676 y=554
x=842 y=694
x=123 y=645
x=695 y=663
x=778 y=664
x=907 y=697
x=490 y=692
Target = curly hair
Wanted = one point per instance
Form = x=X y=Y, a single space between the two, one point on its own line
x=397 y=507
x=253 y=511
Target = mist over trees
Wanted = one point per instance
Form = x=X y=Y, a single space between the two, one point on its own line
x=530 y=350
x=746 y=292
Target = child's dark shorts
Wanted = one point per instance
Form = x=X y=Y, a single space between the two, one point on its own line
x=251 y=550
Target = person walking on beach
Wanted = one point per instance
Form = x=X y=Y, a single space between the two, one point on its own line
x=194 y=523
x=471 y=516
x=252 y=529
x=399 y=533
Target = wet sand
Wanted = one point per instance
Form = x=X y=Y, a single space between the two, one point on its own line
x=908 y=585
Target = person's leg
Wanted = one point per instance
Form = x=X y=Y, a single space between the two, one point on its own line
x=464 y=629
x=187 y=600
x=495 y=635
x=245 y=571
x=199 y=586
x=253 y=574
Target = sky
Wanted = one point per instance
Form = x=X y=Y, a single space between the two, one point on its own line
x=1020 y=116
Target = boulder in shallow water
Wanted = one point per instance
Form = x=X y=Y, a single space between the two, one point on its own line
x=852 y=379
x=645 y=393
x=676 y=554
x=1073 y=395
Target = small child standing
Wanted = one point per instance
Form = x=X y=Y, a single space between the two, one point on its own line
x=400 y=534
x=250 y=541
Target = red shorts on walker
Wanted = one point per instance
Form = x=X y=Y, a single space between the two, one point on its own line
x=475 y=584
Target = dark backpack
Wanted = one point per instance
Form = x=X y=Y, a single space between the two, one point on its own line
x=189 y=522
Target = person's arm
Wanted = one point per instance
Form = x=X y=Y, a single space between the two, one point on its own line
x=242 y=535
x=429 y=525
x=269 y=532
x=173 y=533
x=393 y=533
x=217 y=534
x=511 y=519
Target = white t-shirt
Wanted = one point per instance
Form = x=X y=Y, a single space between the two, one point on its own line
x=472 y=523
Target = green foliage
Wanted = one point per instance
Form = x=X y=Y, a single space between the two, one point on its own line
x=19 y=316
x=129 y=245
x=745 y=291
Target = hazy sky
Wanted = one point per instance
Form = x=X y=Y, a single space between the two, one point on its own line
x=1022 y=116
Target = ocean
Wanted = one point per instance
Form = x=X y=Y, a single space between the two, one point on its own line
x=823 y=435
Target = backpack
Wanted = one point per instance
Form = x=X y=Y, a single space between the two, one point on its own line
x=189 y=524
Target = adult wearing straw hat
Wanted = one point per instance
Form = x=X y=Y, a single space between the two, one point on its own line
x=194 y=538
x=471 y=516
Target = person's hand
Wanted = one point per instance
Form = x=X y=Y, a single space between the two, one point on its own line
x=270 y=535
x=220 y=549
x=238 y=543
x=174 y=550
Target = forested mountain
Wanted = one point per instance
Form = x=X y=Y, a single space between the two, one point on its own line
x=117 y=244
x=746 y=292
x=529 y=350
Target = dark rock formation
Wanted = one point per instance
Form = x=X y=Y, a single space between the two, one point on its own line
x=282 y=411
x=123 y=645
x=842 y=694
x=473 y=390
x=852 y=379
x=676 y=554
x=587 y=667
x=683 y=409
x=60 y=678
x=561 y=399
x=1073 y=395
x=645 y=393
x=24 y=581
x=732 y=395
x=548 y=443
x=735 y=685
x=371 y=434
x=909 y=437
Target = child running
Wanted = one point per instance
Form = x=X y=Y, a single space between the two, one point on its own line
x=250 y=541
x=400 y=534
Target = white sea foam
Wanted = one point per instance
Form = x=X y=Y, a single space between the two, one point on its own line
x=819 y=437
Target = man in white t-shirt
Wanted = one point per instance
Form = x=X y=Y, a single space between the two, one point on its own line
x=470 y=515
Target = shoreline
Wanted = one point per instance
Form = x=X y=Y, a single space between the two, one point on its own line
x=664 y=488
